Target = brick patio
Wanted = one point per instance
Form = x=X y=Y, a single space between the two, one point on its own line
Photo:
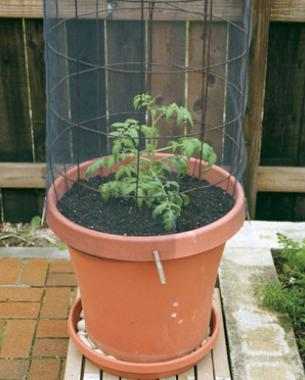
x=35 y=297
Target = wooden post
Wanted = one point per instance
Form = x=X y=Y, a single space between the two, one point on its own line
x=257 y=80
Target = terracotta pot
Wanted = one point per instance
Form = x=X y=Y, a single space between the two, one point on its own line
x=128 y=313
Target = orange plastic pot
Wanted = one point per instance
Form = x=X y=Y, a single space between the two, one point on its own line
x=128 y=312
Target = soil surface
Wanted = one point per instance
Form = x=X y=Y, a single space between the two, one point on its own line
x=119 y=216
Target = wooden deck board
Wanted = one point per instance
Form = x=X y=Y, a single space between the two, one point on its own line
x=188 y=375
x=91 y=372
x=214 y=366
x=204 y=369
x=107 y=376
x=221 y=366
x=74 y=363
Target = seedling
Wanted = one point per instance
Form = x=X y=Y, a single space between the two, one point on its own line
x=142 y=173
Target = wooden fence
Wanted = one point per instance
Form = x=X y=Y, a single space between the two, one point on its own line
x=275 y=120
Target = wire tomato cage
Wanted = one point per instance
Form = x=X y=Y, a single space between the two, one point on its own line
x=131 y=80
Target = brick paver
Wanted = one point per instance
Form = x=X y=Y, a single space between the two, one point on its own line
x=47 y=347
x=34 y=272
x=9 y=271
x=61 y=266
x=61 y=279
x=35 y=297
x=51 y=328
x=15 y=294
x=13 y=369
x=55 y=303
x=18 y=339
x=44 y=369
x=19 y=310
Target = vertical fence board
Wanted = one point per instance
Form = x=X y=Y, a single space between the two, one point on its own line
x=35 y=53
x=86 y=85
x=284 y=95
x=235 y=102
x=125 y=42
x=284 y=116
x=15 y=142
x=167 y=50
x=299 y=207
x=257 y=75
x=21 y=205
x=60 y=70
x=36 y=71
x=217 y=34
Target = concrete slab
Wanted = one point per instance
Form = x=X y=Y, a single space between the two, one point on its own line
x=263 y=234
x=34 y=253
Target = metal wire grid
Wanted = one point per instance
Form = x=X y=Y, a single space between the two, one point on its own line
x=143 y=71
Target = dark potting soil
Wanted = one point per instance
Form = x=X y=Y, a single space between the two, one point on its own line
x=123 y=217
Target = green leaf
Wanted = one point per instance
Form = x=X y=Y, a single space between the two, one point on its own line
x=93 y=168
x=174 y=145
x=142 y=100
x=61 y=246
x=104 y=191
x=115 y=134
x=174 y=106
x=149 y=132
x=212 y=158
x=35 y=223
x=136 y=102
x=180 y=164
x=159 y=210
x=118 y=125
x=180 y=117
x=122 y=171
x=128 y=142
x=169 y=113
x=206 y=150
x=110 y=162
x=188 y=147
x=190 y=119
x=122 y=156
x=166 y=168
x=131 y=121
x=172 y=184
x=186 y=199
x=132 y=132
x=116 y=148
x=140 y=198
x=169 y=220
x=300 y=258
x=128 y=188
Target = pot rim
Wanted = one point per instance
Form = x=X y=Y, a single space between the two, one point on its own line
x=89 y=241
